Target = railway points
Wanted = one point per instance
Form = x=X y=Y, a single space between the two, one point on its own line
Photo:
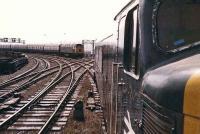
x=41 y=98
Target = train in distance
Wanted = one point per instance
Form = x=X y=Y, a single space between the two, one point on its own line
x=149 y=77
x=75 y=50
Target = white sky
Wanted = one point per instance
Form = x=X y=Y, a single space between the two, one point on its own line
x=50 y=21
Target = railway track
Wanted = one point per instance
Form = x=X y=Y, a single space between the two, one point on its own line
x=18 y=77
x=9 y=87
x=32 y=71
x=49 y=104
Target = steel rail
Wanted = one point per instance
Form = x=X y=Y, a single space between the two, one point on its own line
x=34 y=73
x=26 y=84
x=86 y=67
x=13 y=117
x=47 y=63
x=20 y=77
x=56 y=80
x=23 y=76
x=3 y=84
x=62 y=103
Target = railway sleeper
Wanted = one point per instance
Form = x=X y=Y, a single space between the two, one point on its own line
x=48 y=101
x=61 y=123
x=42 y=115
x=16 y=127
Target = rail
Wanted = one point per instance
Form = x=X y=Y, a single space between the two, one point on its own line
x=18 y=77
x=12 y=118
x=61 y=104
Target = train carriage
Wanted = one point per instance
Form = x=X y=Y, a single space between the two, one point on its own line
x=66 y=49
x=5 y=46
x=51 y=48
x=18 y=47
x=35 y=48
x=72 y=50
x=150 y=85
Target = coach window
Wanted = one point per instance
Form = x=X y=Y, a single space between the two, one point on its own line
x=13 y=39
x=131 y=42
x=5 y=39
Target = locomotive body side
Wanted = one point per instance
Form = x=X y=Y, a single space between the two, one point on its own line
x=151 y=85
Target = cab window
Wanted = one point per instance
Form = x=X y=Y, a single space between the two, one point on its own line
x=130 y=58
x=178 y=24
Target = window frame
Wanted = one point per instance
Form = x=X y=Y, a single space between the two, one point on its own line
x=135 y=34
x=120 y=39
x=155 y=32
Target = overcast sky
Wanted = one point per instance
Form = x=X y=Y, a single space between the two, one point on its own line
x=58 y=20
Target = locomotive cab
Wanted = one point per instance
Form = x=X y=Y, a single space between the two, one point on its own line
x=156 y=69
x=160 y=63
x=170 y=84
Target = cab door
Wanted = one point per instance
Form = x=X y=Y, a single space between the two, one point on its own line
x=128 y=97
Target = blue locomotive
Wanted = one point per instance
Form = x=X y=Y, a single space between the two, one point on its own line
x=149 y=75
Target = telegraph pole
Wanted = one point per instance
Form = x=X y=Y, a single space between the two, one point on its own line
x=93 y=48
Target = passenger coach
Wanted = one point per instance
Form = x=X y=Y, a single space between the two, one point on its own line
x=69 y=50
x=149 y=77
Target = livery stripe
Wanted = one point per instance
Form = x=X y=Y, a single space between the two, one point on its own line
x=192 y=96
x=191 y=125
x=191 y=106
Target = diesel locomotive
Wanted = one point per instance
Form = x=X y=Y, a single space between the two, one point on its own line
x=149 y=73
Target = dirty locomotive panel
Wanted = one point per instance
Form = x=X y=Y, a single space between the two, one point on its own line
x=149 y=76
